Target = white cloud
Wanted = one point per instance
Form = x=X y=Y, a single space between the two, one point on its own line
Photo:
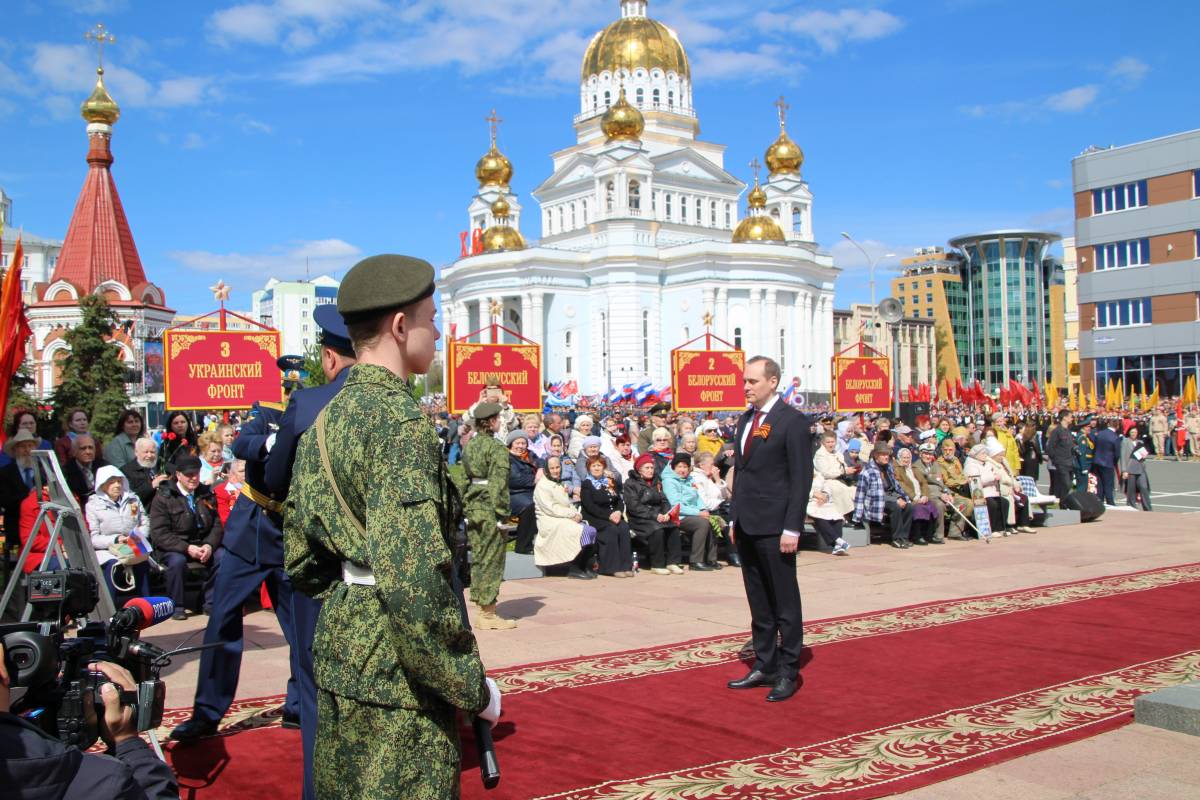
x=65 y=74
x=257 y=126
x=831 y=30
x=850 y=258
x=193 y=141
x=1073 y=100
x=1129 y=71
x=287 y=21
x=281 y=261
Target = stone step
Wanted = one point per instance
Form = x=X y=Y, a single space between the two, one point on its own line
x=1176 y=708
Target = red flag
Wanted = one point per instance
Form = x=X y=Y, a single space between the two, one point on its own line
x=14 y=327
x=959 y=390
x=1037 y=393
x=980 y=397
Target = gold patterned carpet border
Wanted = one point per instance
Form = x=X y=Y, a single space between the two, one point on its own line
x=610 y=667
x=867 y=761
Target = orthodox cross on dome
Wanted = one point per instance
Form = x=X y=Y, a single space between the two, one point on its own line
x=494 y=123
x=783 y=109
x=101 y=37
x=756 y=166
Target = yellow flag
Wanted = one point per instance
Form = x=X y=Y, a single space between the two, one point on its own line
x=1093 y=402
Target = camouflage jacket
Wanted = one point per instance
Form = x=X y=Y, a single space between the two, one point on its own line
x=485 y=459
x=400 y=643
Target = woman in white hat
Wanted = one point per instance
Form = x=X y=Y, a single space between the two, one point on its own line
x=120 y=531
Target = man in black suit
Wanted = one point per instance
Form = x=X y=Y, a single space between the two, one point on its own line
x=773 y=473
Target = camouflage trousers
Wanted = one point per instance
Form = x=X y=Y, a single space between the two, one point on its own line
x=487 y=555
x=368 y=751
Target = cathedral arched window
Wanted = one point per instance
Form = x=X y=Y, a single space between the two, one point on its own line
x=607 y=98
x=549 y=229
x=797 y=221
x=728 y=215
x=683 y=205
x=595 y=103
x=775 y=212
x=670 y=99
x=668 y=200
x=641 y=95
x=560 y=219
x=656 y=97
x=572 y=216
x=585 y=213
x=737 y=338
x=699 y=211
x=713 y=209
x=635 y=196
x=610 y=192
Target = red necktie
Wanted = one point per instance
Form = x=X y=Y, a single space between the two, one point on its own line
x=750 y=438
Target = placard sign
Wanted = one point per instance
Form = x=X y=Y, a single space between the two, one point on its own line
x=517 y=368
x=220 y=369
x=708 y=380
x=862 y=383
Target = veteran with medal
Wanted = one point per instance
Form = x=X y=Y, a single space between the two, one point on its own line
x=366 y=530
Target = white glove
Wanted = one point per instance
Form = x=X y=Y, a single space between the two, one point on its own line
x=270 y=442
x=492 y=712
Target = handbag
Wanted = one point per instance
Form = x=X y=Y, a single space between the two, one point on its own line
x=128 y=554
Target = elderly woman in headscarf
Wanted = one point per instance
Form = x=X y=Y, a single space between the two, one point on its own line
x=579 y=431
x=571 y=473
x=1010 y=489
x=562 y=536
x=984 y=478
x=603 y=509
x=926 y=515
x=829 y=464
x=523 y=469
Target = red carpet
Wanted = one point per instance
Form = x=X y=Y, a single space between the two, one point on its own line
x=891 y=701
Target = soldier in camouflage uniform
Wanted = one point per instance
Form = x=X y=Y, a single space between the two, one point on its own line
x=486 y=463
x=365 y=530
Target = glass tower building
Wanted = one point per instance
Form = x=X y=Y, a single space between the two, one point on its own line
x=1012 y=292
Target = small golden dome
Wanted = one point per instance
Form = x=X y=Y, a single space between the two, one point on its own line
x=635 y=42
x=100 y=107
x=757 y=228
x=784 y=156
x=494 y=169
x=500 y=208
x=498 y=238
x=757 y=197
x=622 y=121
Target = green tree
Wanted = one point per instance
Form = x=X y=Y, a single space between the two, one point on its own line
x=93 y=376
x=18 y=393
x=312 y=365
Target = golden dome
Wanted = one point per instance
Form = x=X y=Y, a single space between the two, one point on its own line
x=632 y=42
x=622 y=121
x=757 y=228
x=500 y=208
x=498 y=238
x=100 y=107
x=494 y=169
x=757 y=197
x=784 y=156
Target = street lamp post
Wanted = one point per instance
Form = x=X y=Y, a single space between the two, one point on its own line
x=871 y=263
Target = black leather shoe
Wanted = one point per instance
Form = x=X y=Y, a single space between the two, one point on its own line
x=782 y=690
x=193 y=729
x=180 y=614
x=713 y=565
x=696 y=566
x=734 y=560
x=937 y=541
x=580 y=574
x=754 y=678
x=900 y=544
x=921 y=542
x=291 y=722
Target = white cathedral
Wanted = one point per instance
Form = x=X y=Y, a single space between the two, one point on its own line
x=641 y=238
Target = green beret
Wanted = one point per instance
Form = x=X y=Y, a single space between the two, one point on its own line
x=383 y=282
x=485 y=411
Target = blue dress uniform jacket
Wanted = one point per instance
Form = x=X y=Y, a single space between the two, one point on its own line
x=254 y=536
x=301 y=414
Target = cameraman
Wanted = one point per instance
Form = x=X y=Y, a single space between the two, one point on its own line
x=35 y=765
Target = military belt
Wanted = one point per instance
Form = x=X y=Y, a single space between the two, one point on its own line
x=261 y=499
x=354 y=575
x=479 y=481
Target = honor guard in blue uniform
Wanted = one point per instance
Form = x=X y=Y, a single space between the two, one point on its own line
x=337 y=356
x=254 y=544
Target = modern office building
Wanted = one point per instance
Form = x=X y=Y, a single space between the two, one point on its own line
x=1014 y=309
x=930 y=287
x=1137 y=237
x=918 y=347
x=288 y=306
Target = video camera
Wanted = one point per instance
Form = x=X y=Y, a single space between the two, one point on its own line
x=63 y=694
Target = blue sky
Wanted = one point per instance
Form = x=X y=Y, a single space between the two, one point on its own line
x=254 y=135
